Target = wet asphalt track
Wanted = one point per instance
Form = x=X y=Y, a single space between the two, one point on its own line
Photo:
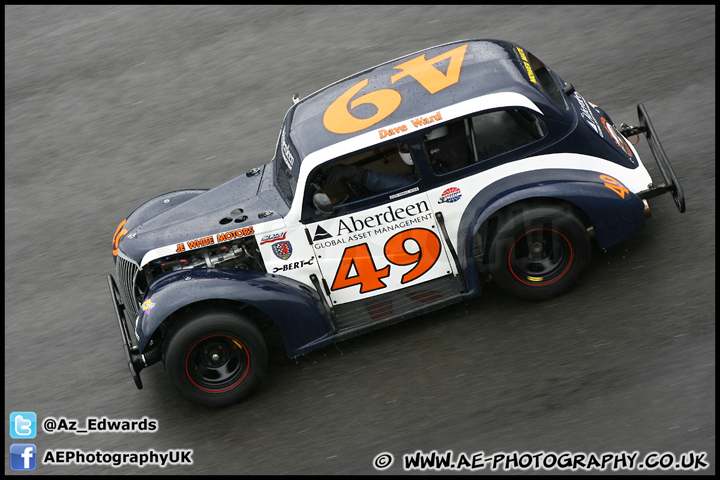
x=106 y=107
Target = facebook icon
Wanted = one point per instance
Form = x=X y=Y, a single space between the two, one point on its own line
x=23 y=456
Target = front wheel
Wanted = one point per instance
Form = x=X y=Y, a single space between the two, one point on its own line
x=540 y=252
x=215 y=358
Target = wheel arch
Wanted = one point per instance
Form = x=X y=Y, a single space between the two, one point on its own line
x=502 y=214
x=266 y=299
x=608 y=217
x=259 y=318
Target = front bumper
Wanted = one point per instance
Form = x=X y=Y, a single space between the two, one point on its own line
x=135 y=360
x=672 y=184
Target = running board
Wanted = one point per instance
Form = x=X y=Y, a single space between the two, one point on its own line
x=363 y=316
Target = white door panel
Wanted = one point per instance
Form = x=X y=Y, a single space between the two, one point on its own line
x=380 y=250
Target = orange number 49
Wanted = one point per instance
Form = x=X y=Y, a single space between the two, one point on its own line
x=614 y=185
x=369 y=278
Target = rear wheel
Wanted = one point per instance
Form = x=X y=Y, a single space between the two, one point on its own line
x=215 y=358
x=539 y=252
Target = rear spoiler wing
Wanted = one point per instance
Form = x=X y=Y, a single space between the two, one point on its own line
x=672 y=184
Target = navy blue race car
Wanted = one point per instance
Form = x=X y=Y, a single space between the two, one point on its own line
x=392 y=193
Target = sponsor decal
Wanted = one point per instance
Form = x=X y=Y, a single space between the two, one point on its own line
x=526 y=63
x=214 y=239
x=353 y=229
x=390 y=215
x=294 y=265
x=321 y=234
x=147 y=306
x=272 y=238
x=451 y=195
x=402 y=194
x=285 y=150
x=587 y=114
x=282 y=250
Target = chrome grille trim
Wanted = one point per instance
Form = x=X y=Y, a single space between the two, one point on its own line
x=126 y=271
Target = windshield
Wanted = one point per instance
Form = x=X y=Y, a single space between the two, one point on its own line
x=545 y=82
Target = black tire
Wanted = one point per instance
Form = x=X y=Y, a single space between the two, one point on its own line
x=539 y=252
x=215 y=358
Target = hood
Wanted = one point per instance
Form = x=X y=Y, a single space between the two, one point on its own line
x=195 y=215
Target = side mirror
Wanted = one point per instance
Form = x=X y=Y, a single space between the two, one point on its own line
x=322 y=203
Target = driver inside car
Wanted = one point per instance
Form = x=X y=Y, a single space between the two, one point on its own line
x=367 y=180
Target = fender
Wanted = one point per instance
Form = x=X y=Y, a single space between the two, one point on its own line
x=296 y=310
x=613 y=217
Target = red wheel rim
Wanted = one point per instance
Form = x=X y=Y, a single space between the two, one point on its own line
x=543 y=258
x=217 y=363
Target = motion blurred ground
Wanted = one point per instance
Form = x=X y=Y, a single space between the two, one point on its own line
x=106 y=107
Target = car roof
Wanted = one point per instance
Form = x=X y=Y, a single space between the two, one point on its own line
x=487 y=66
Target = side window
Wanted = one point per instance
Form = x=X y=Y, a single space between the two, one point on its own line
x=504 y=130
x=461 y=143
x=449 y=147
x=365 y=174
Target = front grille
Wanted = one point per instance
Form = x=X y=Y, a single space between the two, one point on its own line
x=126 y=272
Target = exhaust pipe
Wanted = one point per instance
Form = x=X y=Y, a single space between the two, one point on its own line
x=647 y=209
